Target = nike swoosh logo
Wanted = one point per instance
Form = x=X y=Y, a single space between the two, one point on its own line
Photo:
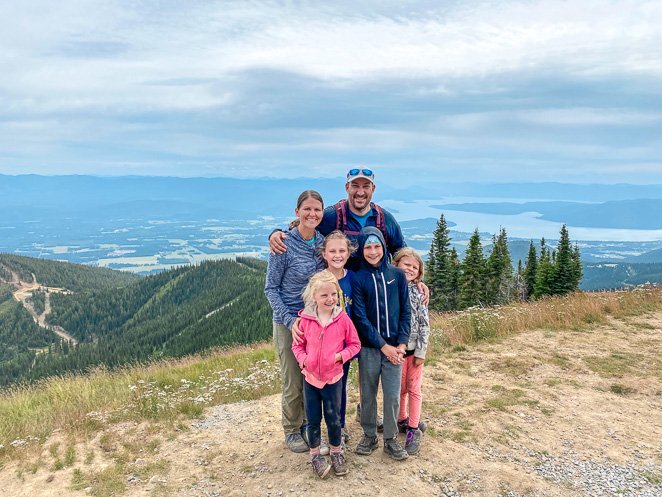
x=389 y=282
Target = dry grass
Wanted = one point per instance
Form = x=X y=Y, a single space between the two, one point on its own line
x=572 y=312
x=167 y=391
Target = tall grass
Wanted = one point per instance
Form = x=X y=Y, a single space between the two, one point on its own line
x=571 y=312
x=169 y=390
x=159 y=391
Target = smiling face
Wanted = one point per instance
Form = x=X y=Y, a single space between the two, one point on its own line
x=373 y=253
x=326 y=297
x=309 y=213
x=411 y=268
x=336 y=253
x=359 y=195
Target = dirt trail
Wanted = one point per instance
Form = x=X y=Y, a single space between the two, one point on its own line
x=24 y=293
x=538 y=414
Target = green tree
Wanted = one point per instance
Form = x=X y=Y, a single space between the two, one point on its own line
x=472 y=274
x=439 y=269
x=545 y=272
x=577 y=271
x=563 y=280
x=499 y=273
x=530 y=271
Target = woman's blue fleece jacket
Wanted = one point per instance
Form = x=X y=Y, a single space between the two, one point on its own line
x=380 y=309
x=288 y=275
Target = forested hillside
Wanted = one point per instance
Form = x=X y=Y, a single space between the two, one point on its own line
x=619 y=275
x=74 y=277
x=170 y=314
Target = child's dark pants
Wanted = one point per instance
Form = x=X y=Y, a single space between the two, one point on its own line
x=328 y=399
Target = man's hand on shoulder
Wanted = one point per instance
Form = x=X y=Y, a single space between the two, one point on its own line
x=276 y=245
x=423 y=288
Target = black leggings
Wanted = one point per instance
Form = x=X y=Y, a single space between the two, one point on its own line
x=329 y=399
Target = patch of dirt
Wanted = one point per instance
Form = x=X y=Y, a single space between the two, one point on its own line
x=527 y=416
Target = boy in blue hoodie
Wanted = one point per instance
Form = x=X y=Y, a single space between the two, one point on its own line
x=382 y=315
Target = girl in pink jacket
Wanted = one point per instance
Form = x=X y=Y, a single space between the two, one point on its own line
x=329 y=341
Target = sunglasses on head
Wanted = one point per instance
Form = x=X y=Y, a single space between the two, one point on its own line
x=365 y=172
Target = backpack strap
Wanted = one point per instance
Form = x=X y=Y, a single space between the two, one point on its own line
x=380 y=222
x=341 y=219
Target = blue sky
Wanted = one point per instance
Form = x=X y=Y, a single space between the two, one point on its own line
x=478 y=91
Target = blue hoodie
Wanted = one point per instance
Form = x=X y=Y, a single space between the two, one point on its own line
x=380 y=309
x=288 y=275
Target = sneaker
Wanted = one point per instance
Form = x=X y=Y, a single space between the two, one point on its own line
x=320 y=467
x=296 y=443
x=338 y=463
x=324 y=446
x=413 y=442
x=403 y=426
x=367 y=445
x=393 y=448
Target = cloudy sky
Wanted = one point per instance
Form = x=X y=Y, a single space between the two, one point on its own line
x=493 y=91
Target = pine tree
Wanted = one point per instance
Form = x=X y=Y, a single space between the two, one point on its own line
x=440 y=268
x=454 y=282
x=544 y=273
x=472 y=276
x=563 y=281
x=530 y=270
x=577 y=271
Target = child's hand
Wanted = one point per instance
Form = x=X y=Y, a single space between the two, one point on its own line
x=338 y=357
x=418 y=361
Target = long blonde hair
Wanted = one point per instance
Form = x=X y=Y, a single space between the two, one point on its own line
x=410 y=252
x=317 y=281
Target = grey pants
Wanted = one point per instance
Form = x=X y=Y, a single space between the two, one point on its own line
x=292 y=410
x=372 y=365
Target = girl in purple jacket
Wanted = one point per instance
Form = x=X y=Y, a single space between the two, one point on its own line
x=329 y=341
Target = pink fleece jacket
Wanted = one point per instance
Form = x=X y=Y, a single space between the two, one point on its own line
x=316 y=355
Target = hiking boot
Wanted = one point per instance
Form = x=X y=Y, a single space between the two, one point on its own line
x=338 y=463
x=393 y=448
x=367 y=445
x=403 y=426
x=413 y=441
x=296 y=443
x=324 y=446
x=320 y=467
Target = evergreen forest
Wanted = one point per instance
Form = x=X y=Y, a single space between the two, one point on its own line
x=174 y=313
x=480 y=280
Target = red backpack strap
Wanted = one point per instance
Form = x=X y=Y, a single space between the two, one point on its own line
x=341 y=214
x=380 y=222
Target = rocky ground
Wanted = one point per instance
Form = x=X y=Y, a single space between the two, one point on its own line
x=542 y=413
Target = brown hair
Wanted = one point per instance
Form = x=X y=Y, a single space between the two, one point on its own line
x=305 y=195
x=410 y=252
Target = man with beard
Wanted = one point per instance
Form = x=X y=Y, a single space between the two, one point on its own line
x=352 y=214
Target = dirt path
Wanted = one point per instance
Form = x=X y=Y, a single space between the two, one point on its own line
x=539 y=414
x=23 y=294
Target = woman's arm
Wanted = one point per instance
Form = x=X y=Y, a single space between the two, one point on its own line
x=275 y=271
